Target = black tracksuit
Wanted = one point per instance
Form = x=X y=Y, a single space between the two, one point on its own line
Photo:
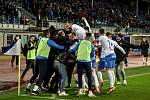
x=126 y=46
x=144 y=48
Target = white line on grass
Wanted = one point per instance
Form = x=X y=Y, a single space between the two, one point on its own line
x=138 y=75
x=135 y=75
x=52 y=97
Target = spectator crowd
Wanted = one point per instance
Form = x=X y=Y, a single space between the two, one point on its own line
x=102 y=12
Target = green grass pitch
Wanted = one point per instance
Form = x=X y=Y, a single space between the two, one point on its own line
x=138 y=88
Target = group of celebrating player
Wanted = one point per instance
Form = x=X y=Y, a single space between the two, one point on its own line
x=59 y=54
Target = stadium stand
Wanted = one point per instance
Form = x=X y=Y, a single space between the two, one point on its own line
x=103 y=12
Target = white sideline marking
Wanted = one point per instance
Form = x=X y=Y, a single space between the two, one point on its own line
x=138 y=75
x=135 y=75
x=52 y=97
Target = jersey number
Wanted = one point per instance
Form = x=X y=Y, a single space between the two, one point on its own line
x=110 y=44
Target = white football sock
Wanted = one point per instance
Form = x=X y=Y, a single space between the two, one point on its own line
x=84 y=84
x=95 y=79
x=28 y=85
x=113 y=74
x=35 y=88
x=100 y=77
x=110 y=77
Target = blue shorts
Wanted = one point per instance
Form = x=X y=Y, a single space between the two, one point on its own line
x=107 y=62
x=93 y=64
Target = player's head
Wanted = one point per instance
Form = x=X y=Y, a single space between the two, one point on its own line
x=61 y=33
x=86 y=28
x=50 y=32
x=46 y=33
x=101 y=31
x=109 y=35
x=72 y=36
x=88 y=37
x=68 y=25
x=32 y=38
x=119 y=37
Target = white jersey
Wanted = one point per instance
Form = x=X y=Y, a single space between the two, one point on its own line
x=112 y=45
x=108 y=46
x=80 y=31
x=104 y=45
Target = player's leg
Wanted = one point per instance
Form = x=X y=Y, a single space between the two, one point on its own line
x=70 y=67
x=100 y=69
x=95 y=81
x=118 y=72
x=42 y=71
x=17 y=61
x=84 y=84
x=33 y=66
x=54 y=82
x=109 y=65
x=111 y=81
x=29 y=63
x=113 y=73
x=123 y=72
x=49 y=73
x=80 y=72
x=75 y=75
x=32 y=79
x=63 y=74
x=143 y=58
x=12 y=60
x=87 y=67
x=93 y=65
x=113 y=68
x=146 y=61
x=146 y=56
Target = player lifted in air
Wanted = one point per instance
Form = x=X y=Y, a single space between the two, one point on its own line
x=78 y=30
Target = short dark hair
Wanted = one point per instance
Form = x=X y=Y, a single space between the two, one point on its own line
x=101 y=30
x=74 y=33
x=45 y=32
x=86 y=28
x=88 y=34
x=108 y=34
x=31 y=36
x=120 y=35
x=69 y=21
x=51 y=30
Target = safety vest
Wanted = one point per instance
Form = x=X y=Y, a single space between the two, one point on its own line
x=84 y=50
x=43 y=48
x=31 y=53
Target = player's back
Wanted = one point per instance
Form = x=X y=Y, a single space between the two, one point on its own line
x=112 y=45
x=103 y=41
x=107 y=45
x=104 y=45
x=80 y=31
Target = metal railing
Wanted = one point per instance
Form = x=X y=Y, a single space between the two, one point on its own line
x=25 y=24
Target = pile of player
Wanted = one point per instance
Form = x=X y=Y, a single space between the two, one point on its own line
x=59 y=54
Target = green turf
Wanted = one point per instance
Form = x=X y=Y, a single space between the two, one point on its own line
x=137 y=89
